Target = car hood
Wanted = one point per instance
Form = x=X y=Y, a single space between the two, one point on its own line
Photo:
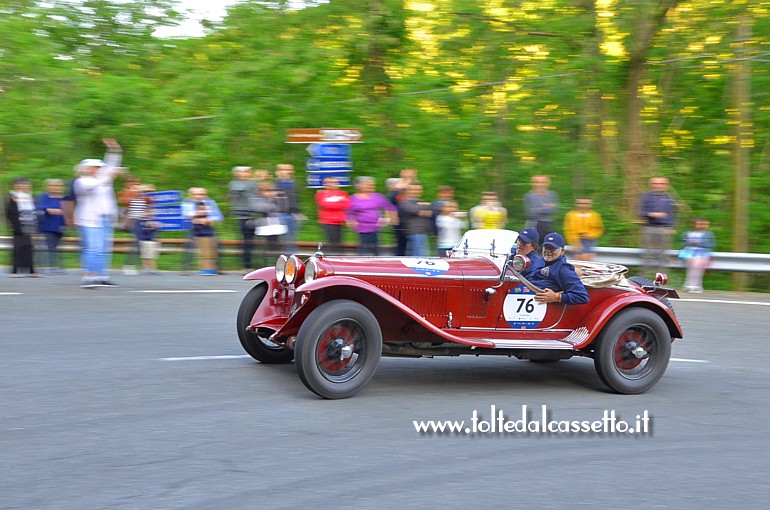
x=419 y=267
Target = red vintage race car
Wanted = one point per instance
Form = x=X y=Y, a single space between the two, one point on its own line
x=336 y=316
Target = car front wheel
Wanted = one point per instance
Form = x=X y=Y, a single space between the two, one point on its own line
x=338 y=348
x=633 y=351
x=257 y=344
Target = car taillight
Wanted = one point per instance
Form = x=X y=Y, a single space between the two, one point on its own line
x=280 y=268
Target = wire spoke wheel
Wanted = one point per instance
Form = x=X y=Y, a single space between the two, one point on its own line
x=339 y=351
x=633 y=351
x=338 y=348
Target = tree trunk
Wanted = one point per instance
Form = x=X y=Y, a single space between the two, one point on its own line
x=744 y=140
x=639 y=159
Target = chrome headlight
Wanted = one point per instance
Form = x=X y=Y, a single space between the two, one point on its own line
x=280 y=268
x=520 y=263
x=311 y=270
x=294 y=269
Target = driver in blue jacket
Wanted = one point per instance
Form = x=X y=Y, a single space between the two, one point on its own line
x=527 y=244
x=558 y=278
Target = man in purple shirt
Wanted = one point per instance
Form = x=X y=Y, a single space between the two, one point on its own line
x=657 y=209
x=368 y=212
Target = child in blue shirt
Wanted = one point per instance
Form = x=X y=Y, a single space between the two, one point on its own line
x=696 y=253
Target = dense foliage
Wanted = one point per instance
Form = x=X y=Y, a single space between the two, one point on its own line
x=599 y=94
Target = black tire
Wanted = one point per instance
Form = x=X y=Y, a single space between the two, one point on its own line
x=641 y=280
x=644 y=282
x=618 y=367
x=257 y=345
x=338 y=348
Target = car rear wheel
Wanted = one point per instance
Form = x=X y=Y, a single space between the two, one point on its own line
x=633 y=351
x=338 y=348
x=257 y=344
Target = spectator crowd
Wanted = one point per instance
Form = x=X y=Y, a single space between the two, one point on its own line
x=267 y=207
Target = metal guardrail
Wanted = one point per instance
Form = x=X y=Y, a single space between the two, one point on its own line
x=720 y=261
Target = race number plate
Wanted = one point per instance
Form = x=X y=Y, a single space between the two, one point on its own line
x=427 y=266
x=520 y=309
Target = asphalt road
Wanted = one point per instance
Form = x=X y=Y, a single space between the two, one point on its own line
x=127 y=399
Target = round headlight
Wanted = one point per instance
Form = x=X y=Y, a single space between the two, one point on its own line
x=293 y=269
x=520 y=263
x=280 y=268
x=310 y=271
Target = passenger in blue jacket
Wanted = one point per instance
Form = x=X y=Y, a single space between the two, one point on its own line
x=557 y=278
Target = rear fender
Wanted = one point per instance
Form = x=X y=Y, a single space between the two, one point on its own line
x=598 y=318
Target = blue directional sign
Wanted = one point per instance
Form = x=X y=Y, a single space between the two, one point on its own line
x=329 y=159
x=329 y=150
x=174 y=224
x=315 y=179
x=167 y=206
x=166 y=197
x=328 y=164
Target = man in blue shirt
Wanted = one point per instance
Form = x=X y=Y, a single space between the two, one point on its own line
x=557 y=278
x=657 y=208
x=527 y=244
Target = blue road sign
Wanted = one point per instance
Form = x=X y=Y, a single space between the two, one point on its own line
x=328 y=164
x=329 y=150
x=165 y=197
x=167 y=209
x=315 y=180
x=168 y=224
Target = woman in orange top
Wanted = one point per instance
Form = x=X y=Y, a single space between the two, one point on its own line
x=582 y=227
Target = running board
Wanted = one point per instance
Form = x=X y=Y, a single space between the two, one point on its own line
x=576 y=337
x=532 y=344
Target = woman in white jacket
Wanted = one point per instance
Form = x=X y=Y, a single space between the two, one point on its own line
x=96 y=211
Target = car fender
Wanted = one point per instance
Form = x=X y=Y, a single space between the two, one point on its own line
x=266 y=273
x=309 y=296
x=598 y=318
x=270 y=314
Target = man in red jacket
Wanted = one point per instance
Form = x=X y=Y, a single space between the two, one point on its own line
x=332 y=203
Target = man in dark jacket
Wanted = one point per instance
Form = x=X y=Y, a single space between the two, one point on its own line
x=527 y=245
x=657 y=208
x=416 y=219
x=20 y=213
x=557 y=278
x=292 y=218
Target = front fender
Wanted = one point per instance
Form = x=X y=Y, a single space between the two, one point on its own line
x=273 y=310
x=598 y=318
x=265 y=273
x=392 y=315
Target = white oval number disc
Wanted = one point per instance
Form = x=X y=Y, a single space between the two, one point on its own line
x=520 y=309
